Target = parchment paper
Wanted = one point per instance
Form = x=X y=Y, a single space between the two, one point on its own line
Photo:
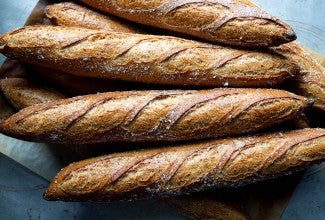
x=262 y=201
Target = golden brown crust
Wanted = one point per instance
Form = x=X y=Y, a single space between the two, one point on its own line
x=71 y=14
x=206 y=208
x=186 y=168
x=154 y=115
x=232 y=22
x=21 y=93
x=144 y=58
x=311 y=80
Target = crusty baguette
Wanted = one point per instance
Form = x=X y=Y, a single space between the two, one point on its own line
x=187 y=168
x=234 y=22
x=206 y=208
x=153 y=115
x=311 y=80
x=21 y=93
x=22 y=96
x=143 y=58
x=71 y=14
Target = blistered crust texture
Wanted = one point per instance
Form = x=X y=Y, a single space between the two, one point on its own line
x=154 y=115
x=231 y=22
x=187 y=168
x=144 y=58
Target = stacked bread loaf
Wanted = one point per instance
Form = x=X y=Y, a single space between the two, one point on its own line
x=113 y=82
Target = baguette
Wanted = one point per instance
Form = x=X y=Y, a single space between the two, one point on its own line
x=144 y=58
x=311 y=80
x=71 y=14
x=21 y=93
x=234 y=22
x=153 y=115
x=188 y=168
x=28 y=98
